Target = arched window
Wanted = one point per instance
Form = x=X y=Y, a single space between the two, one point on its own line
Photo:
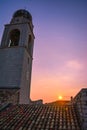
x=30 y=43
x=29 y=40
x=14 y=37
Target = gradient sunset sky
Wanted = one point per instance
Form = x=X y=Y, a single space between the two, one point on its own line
x=60 y=46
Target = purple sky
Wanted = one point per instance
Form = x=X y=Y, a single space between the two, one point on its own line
x=60 y=50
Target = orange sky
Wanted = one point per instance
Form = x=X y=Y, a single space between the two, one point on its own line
x=60 y=46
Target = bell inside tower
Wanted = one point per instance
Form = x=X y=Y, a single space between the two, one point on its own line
x=14 y=37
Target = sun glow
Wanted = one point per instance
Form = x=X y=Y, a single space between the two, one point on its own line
x=60 y=97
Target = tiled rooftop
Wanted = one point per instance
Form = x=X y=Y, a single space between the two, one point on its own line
x=39 y=117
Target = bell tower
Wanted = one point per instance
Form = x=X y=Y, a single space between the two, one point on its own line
x=16 y=54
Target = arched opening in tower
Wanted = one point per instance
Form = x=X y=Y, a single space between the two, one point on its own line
x=30 y=44
x=14 y=37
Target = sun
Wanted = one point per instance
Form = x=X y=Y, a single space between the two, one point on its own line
x=60 y=97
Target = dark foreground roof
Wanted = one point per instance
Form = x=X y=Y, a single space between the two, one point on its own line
x=39 y=117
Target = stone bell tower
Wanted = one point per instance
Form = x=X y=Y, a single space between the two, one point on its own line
x=16 y=54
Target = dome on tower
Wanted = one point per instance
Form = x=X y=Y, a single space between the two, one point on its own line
x=23 y=13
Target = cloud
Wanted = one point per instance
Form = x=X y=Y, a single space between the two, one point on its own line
x=73 y=64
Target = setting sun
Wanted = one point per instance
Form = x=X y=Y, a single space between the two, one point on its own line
x=60 y=97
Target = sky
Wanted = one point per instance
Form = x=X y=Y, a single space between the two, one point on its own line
x=60 y=46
